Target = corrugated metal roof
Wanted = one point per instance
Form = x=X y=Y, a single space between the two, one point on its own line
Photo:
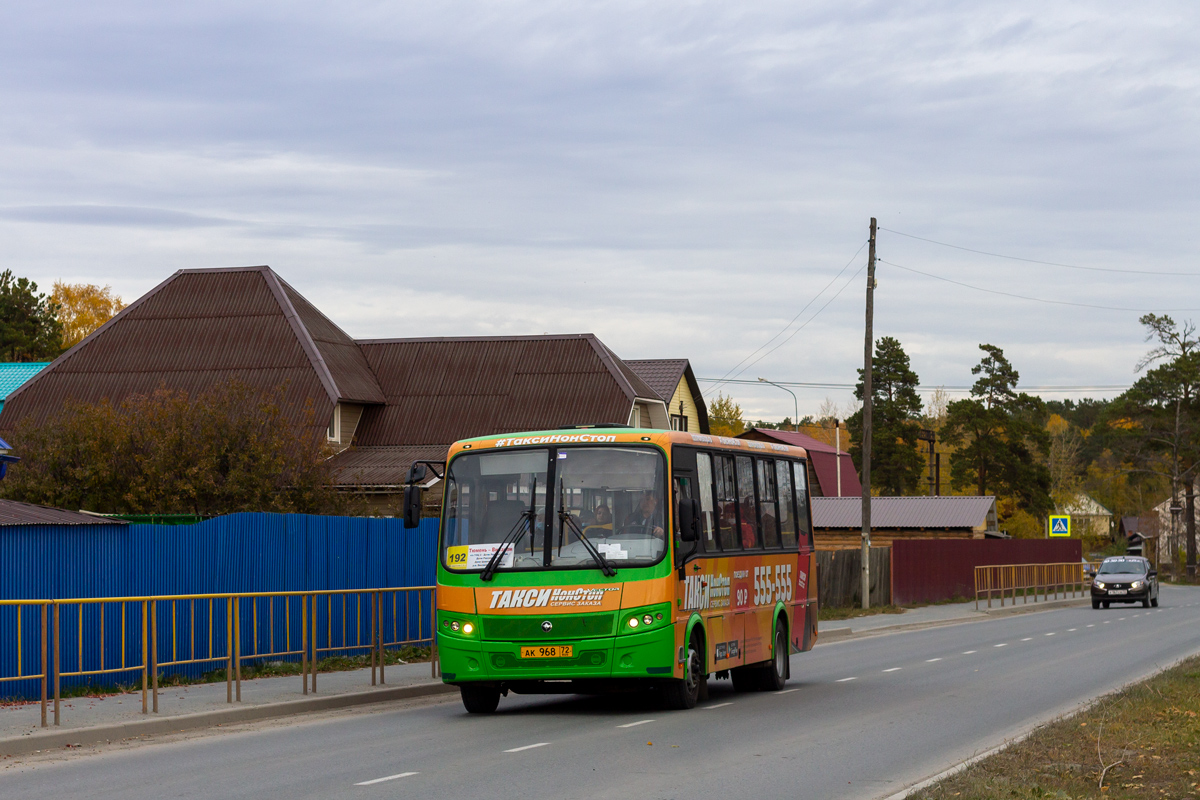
x=15 y=513
x=197 y=328
x=903 y=512
x=381 y=466
x=12 y=375
x=441 y=390
x=341 y=354
x=660 y=374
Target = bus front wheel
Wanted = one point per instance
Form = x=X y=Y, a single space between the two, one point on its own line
x=479 y=699
x=683 y=694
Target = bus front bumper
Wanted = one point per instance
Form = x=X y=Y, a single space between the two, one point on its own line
x=646 y=655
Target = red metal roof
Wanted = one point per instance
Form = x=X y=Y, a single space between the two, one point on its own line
x=903 y=512
x=826 y=460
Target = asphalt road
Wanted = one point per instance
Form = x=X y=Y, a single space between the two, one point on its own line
x=860 y=719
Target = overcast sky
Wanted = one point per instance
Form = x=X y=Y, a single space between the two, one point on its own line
x=679 y=178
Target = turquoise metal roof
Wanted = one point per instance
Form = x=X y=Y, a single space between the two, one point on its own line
x=14 y=374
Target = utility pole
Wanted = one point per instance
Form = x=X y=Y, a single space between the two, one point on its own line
x=868 y=396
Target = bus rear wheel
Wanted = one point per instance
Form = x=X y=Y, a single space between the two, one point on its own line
x=479 y=699
x=683 y=694
x=775 y=674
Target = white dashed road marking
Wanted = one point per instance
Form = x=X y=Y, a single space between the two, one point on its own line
x=788 y=691
x=1002 y=644
x=388 y=778
x=843 y=680
x=635 y=724
x=1027 y=639
x=969 y=652
x=527 y=747
x=1049 y=634
x=893 y=669
x=1091 y=626
x=931 y=660
x=719 y=705
x=1069 y=630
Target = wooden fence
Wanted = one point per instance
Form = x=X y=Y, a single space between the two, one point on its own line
x=839 y=577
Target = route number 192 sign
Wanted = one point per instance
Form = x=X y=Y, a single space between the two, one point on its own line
x=1060 y=525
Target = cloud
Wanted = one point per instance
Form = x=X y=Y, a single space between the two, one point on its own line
x=680 y=178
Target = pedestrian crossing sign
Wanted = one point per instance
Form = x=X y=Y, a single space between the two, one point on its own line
x=1060 y=525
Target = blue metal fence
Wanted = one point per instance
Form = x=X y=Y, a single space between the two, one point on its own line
x=232 y=554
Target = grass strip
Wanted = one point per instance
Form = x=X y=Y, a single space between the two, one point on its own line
x=1137 y=743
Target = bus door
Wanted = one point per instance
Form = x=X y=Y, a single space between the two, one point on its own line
x=704 y=587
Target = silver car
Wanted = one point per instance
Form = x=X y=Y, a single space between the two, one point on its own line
x=1125 y=579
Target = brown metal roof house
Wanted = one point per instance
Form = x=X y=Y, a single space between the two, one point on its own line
x=674 y=382
x=394 y=400
x=837 y=521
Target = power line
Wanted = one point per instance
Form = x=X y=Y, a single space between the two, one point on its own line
x=805 y=323
x=801 y=311
x=1033 y=299
x=1044 y=263
x=928 y=388
x=924 y=388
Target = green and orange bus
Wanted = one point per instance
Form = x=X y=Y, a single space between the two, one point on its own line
x=606 y=558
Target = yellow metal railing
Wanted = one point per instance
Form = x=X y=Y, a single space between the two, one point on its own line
x=226 y=630
x=1039 y=580
x=40 y=610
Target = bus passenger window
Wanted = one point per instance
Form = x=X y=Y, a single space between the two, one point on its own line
x=787 y=516
x=747 y=508
x=800 y=471
x=769 y=521
x=704 y=481
x=726 y=488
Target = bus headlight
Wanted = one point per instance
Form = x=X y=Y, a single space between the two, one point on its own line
x=646 y=620
x=468 y=628
x=454 y=625
x=633 y=622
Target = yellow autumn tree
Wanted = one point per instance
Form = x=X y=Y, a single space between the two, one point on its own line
x=725 y=417
x=84 y=307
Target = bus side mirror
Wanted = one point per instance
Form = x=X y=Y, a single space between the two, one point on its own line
x=412 y=506
x=412 y=496
x=687 y=522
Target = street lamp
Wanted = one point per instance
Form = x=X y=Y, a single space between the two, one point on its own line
x=795 y=419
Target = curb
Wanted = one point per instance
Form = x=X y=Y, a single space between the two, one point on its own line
x=99 y=734
x=847 y=634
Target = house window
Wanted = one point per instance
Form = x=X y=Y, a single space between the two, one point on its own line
x=635 y=417
x=679 y=422
x=334 y=434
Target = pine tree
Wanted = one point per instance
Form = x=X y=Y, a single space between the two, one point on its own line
x=896 y=464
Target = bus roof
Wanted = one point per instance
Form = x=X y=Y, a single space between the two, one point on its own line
x=601 y=435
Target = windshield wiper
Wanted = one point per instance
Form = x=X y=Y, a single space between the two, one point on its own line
x=511 y=538
x=564 y=519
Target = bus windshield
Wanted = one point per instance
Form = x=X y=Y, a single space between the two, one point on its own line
x=613 y=496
